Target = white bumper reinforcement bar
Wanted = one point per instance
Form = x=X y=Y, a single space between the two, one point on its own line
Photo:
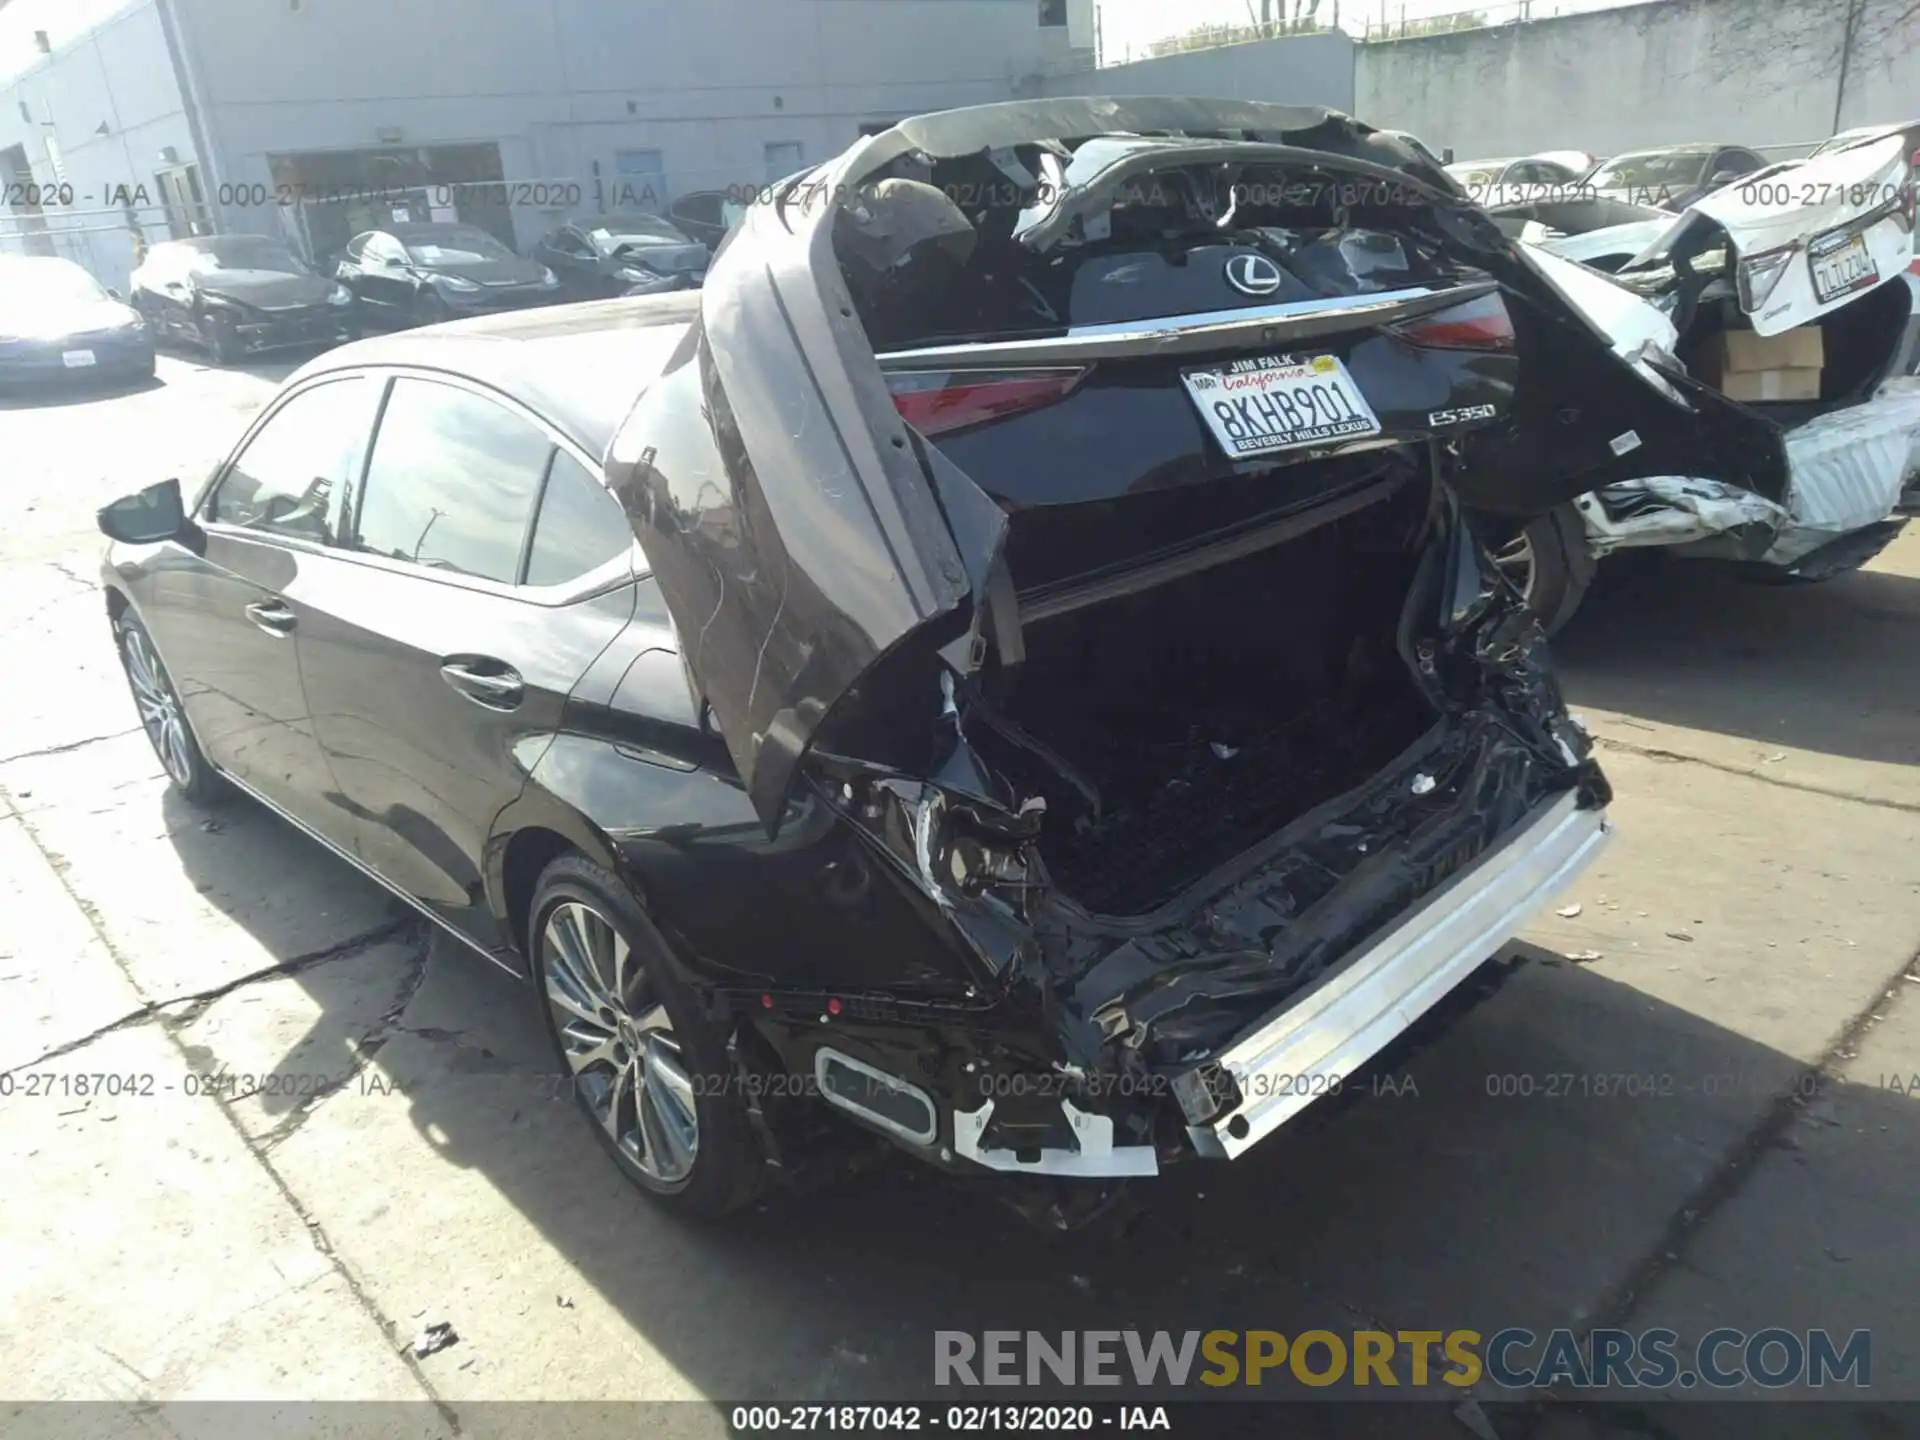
x=1353 y=1012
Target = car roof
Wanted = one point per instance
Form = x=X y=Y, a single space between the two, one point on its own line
x=421 y=228
x=1687 y=148
x=1482 y=164
x=580 y=367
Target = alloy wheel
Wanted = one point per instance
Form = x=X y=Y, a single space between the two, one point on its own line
x=160 y=714
x=628 y=1065
x=1515 y=561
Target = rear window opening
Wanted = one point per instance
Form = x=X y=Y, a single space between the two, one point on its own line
x=934 y=253
x=1211 y=711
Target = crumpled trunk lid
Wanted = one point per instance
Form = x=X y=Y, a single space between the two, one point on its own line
x=802 y=533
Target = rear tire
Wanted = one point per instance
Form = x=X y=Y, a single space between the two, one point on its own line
x=648 y=1070
x=1550 y=561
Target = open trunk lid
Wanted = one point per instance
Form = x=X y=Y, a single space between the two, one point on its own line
x=802 y=531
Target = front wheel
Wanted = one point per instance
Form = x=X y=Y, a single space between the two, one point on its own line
x=647 y=1069
x=162 y=716
x=223 y=342
x=430 y=307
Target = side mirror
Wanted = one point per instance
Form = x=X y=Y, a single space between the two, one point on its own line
x=154 y=514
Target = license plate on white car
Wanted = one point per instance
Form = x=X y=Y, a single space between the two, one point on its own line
x=76 y=359
x=1841 y=264
x=1276 y=402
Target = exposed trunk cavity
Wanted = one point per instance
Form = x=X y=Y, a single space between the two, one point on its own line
x=1208 y=712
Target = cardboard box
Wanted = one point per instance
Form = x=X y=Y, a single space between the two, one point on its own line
x=1795 y=383
x=1801 y=349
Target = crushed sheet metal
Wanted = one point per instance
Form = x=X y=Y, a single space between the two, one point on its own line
x=1689 y=509
x=1848 y=469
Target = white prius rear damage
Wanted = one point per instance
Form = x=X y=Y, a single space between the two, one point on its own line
x=1794 y=293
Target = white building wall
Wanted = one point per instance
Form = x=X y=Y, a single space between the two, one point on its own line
x=1749 y=72
x=561 y=85
x=1290 y=70
x=107 y=100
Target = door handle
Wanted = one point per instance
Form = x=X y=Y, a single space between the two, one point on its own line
x=485 y=682
x=272 y=616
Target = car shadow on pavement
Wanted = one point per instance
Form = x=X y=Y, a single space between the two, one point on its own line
x=1831 y=667
x=49 y=395
x=1530 y=1165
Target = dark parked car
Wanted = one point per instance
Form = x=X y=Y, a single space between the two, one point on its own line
x=608 y=255
x=1024 y=682
x=424 y=274
x=708 y=216
x=58 y=322
x=1673 y=177
x=239 y=294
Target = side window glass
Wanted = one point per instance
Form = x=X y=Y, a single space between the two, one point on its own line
x=581 y=525
x=452 y=481
x=295 y=475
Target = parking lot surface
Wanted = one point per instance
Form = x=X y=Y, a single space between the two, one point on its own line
x=1746 y=950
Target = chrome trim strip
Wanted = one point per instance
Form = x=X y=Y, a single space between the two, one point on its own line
x=827 y=1055
x=1271 y=324
x=357 y=863
x=1353 y=1013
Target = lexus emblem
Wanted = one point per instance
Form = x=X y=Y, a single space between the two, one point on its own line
x=1253 y=274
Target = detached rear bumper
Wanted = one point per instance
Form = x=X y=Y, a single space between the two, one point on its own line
x=1354 y=1012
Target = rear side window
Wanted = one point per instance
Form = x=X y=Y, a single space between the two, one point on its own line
x=295 y=474
x=581 y=526
x=452 y=481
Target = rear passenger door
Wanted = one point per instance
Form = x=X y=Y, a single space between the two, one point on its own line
x=486 y=568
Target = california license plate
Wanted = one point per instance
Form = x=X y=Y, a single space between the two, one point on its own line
x=1275 y=402
x=76 y=359
x=1841 y=265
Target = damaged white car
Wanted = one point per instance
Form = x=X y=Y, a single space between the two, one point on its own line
x=1792 y=294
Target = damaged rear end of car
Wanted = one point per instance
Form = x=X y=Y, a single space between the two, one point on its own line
x=1077 y=514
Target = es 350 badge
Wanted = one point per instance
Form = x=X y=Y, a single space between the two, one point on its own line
x=1461 y=416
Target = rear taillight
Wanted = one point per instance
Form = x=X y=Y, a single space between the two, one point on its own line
x=1759 y=275
x=1481 y=324
x=935 y=401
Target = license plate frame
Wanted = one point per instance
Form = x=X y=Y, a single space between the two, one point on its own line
x=78 y=359
x=1276 y=403
x=1827 y=253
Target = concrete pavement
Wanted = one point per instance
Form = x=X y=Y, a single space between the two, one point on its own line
x=1756 y=925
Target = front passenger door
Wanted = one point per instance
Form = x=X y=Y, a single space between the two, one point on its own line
x=227 y=620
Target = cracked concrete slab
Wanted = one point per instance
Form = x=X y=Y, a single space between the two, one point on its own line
x=281 y=1045
x=1776 y=913
x=58 y=982
x=1830 y=1207
x=1806 y=685
x=65 y=636
x=145 y=1252
x=191 y=897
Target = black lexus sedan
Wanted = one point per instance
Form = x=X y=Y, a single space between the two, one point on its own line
x=422 y=274
x=1026 y=683
x=238 y=295
x=610 y=255
x=58 y=323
